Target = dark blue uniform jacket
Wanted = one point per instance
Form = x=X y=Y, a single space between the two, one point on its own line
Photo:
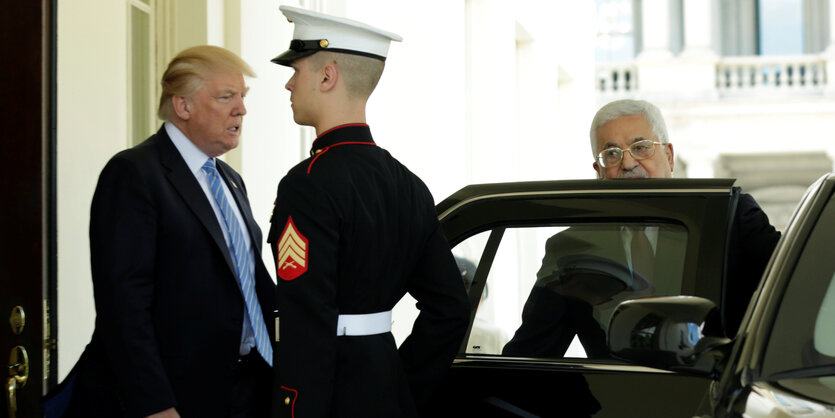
x=352 y=231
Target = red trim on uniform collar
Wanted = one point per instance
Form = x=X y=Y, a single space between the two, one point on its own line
x=340 y=126
x=324 y=150
x=342 y=133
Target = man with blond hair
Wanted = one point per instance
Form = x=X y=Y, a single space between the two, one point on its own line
x=182 y=297
x=353 y=230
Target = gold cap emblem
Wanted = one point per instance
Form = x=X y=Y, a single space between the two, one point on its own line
x=324 y=43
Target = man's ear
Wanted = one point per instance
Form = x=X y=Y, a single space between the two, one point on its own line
x=596 y=169
x=330 y=76
x=182 y=107
x=670 y=156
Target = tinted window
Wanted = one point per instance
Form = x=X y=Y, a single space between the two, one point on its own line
x=824 y=336
x=549 y=291
x=801 y=349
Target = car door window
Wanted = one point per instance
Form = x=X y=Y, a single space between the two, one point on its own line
x=549 y=291
x=825 y=322
x=801 y=348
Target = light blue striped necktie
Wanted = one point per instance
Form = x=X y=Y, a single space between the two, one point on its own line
x=243 y=266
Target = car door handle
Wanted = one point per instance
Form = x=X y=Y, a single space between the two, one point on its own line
x=18 y=375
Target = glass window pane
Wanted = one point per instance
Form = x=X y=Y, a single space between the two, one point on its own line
x=551 y=285
x=485 y=338
x=615 y=31
x=801 y=348
x=825 y=323
x=802 y=333
x=781 y=27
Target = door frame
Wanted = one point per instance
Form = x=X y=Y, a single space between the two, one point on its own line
x=28 y=267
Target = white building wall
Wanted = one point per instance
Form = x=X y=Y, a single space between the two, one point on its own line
x=559 y=109
x=271 y=143
x=92 y=126
x=418 y=109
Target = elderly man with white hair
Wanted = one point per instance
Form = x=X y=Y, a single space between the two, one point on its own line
x=629 y=140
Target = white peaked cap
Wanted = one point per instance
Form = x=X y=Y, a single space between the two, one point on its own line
x=315 y=32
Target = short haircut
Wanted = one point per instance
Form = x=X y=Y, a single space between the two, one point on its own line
x=361 y=74
x=188 y=71
x=628 y=107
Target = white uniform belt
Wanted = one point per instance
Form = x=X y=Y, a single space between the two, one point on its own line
x=364 y=324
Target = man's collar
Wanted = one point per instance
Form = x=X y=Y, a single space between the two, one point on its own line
x=355 y=132
x=193 y=156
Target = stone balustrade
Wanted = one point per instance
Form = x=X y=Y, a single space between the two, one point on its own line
x=735 y=76
x=616 y=78
x=798 y=73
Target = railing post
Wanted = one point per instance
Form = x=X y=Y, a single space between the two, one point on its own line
x=796 y=68
x=828 y=74
x=759 y=77
x=734 y=77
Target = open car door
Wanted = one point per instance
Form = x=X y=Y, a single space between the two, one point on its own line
x=546 y=263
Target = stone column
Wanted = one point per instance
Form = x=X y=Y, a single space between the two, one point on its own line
x=697 y=28
x=655 y=80
x=655 y=19
x=696 y=65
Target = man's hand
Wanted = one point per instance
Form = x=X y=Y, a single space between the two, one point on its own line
x=168 y=413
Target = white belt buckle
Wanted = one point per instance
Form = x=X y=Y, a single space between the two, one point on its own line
x=363 y=324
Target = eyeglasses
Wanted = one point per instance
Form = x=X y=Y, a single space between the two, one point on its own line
x=640 y=150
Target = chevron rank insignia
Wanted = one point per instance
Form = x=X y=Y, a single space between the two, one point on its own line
x=292 y=250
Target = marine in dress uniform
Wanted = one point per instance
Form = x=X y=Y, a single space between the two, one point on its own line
x=352 y=231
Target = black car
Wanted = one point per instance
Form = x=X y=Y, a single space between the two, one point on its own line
x=606 y=341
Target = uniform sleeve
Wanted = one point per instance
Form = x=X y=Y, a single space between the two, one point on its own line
x=304 y=240
x=443 y=319
x=123 y=253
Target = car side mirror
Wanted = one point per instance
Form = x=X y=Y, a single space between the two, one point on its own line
x=667 y=333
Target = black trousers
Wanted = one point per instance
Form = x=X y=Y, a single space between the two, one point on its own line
x=251 y=387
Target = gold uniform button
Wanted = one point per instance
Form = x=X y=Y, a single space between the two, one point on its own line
x=287 y=401
x=324 y=43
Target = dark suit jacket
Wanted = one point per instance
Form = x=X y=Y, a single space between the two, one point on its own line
x=169 y=308
x=752 y=241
